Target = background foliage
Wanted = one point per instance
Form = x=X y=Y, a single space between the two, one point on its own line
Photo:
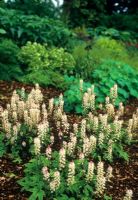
x=22 y=28
x=9 y=65
x=79 y=38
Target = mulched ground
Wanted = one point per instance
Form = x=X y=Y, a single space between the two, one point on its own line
x=125 y=174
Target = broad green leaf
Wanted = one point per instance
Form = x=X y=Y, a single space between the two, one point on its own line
x=2 y=31
x=134 y=93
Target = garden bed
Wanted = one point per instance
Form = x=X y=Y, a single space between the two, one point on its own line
x=124 y=174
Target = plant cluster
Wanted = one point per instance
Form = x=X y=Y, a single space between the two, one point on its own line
x=9 y=65
x=67 y=159
x=46 y=65
x=88 y=55
x=104 y=77
x=22 y=28
x=33 y=7
x=111 y=72
x=124 y=36
x=85 y=62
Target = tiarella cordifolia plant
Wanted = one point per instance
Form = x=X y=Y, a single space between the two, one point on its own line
x=128 y=195
x=101 y=180
x=65 y=155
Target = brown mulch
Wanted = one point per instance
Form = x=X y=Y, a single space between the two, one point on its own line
x=125 y=174
x=9 y=174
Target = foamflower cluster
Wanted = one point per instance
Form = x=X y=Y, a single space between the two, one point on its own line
x=89 y=99
x=62 y=158
x=48 y=152
x=71 y=145
x=45 y=173
x=109 y=173
x=128 y=195
x=37 y=145
x=100 y=179
x=76 y=142
x=55 y=183
x=114 y=93
x=83 y=128
x=71 y=173
x=90 y=171
x=110 y=150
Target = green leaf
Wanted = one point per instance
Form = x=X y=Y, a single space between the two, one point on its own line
x=106 y=197
x=105 y=90
x=121 y=82
x=10 y=175
x=134 y=93
x=34 y=195
x=19 y=32
x=123 y=93
x=2 y=145
x=2 y=31
x=78 y=109
x=119 y=152
x=100 y=99
x=40 y=195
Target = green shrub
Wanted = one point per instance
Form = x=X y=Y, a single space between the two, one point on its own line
x=106 y=48
x=112 y=72
x=23 y=28
x=45 y=65
x=125 y=22
x=125 y=36
x=103 y=78
x=34 y=7
x=133 y=57
x=84 y=61
x=9 y=66
x=89 y=56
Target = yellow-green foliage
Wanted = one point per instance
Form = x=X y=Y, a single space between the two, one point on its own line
x=45 y=65
x=84 y=60
x=34 y=55
x=37 y=56
x=132 y=59
x=89 y=56
x=106 y=48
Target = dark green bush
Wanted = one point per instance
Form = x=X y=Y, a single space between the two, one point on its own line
x=125 y=22
x=113 y=33
x=34 y=7
x=9 y=66
x=23 y=28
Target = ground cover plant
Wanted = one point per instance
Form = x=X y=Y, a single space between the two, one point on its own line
x=104 y=77
x=60 y=149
